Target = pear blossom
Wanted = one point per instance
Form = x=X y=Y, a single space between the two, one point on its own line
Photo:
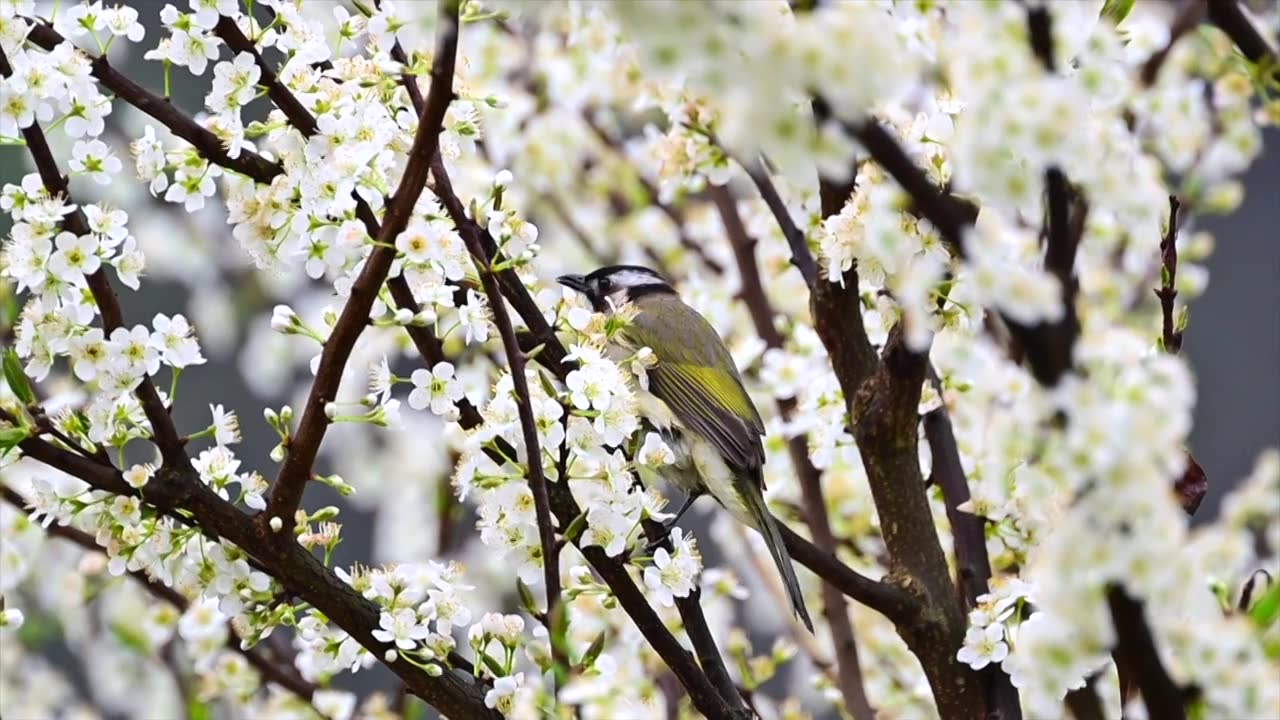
x=437 y=388
x=401 y=628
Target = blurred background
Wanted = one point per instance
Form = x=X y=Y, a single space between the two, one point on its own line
x=1232 y=342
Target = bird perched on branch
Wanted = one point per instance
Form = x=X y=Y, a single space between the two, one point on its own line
x=696 y=400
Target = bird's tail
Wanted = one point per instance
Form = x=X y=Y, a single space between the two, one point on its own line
x=753 y=499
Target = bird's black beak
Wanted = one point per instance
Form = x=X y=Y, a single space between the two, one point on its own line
x=576 y=282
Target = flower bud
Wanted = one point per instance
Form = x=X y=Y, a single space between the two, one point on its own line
x=276 y=524
x=284 y=319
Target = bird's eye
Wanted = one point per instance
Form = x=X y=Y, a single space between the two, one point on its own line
x=604 y=284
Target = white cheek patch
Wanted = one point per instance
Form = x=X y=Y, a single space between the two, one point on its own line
x=631 y=278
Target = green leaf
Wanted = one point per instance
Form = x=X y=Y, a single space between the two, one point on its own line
x=560 y=628
x=17 y=377
x=414 y=709
x=526 y=597
x=593 y=652
x=547 y=386
x=38 y=629
x=1267 y=608
x=11 y=436
x=197 y=710
x=576 y=527
x=131 y=638
x=1117 y=10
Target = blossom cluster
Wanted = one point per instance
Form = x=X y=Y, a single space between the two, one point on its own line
x=578 y=135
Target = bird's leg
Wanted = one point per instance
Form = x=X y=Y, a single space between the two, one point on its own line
x=668 y=525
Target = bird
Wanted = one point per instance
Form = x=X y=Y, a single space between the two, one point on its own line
x=696 y=401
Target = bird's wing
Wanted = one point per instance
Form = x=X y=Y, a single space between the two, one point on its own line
x=696 y=377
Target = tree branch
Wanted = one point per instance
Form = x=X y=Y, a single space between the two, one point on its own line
x=899 y=605
x=950 y=215
x=285 y=677
x=1136 y=651
x=178 y=492
x=528 y=426
x=1170 y=335
x=882 y=398
x=1040 y=30
x=1189 y=15
x=801 y=256
x=672 y=213
x=848 y=669
x=298 y=115
x=161 y=109
x=613 y=571
x=969 y=542
x=163 y=431
x=1230 y=18
x=553 y=353
x=286 y=494
x=1084 y=702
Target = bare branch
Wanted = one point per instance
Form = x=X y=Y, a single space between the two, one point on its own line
x=286 y=494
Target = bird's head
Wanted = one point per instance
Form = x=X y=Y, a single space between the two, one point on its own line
x=612 y=286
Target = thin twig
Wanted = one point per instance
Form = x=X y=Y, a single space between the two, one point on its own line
x=286 y=494
x=672 y=213
x=697 y=629
x=529 y=429
x=801 y=256
x=1170 y=335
